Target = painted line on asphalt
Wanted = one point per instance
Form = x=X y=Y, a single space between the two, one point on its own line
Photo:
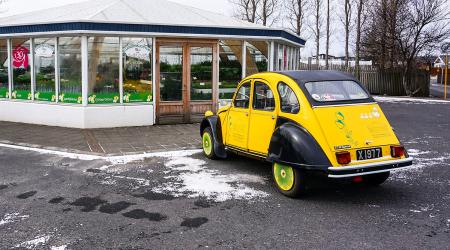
x=122 y=159
x=409 y=99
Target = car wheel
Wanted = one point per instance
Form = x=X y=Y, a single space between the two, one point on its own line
x=289 y=181
x=208 y=144
x=377 y=179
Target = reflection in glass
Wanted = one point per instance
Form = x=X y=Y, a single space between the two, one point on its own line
x=258 y=51
x=103 y=70
x=230 y=67
x=171 y=73
x=137 y=70
x=21 y=69
x=3 y=68
x=69 y=60
x=201 y=73
x=44 y=63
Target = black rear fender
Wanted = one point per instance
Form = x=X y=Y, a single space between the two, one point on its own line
x=293 y=145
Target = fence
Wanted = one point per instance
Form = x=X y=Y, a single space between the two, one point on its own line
x=387 y=82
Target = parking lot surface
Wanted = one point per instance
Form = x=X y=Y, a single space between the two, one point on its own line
x=181 y=200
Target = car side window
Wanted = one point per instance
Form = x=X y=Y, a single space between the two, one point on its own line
x=263 y=98
x=288 y=99
x=242 y=99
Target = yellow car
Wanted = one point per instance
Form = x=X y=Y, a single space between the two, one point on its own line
x=305 y=123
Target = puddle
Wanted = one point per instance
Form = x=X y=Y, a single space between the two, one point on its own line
x=194 y=222
x=89 y=204
x=139 y=214
x=26 y=195
x=155 y=196
x=56 y=200
x=115 y=207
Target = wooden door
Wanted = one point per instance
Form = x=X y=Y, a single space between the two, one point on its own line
x=186 y=80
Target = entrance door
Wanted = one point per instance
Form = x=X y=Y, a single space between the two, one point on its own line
x=238 y=118
x=186 y=77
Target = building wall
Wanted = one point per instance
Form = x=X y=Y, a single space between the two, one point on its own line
x=76 y=116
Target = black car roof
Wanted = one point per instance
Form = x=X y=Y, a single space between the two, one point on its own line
x=303 y=76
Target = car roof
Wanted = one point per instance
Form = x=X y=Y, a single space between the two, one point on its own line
x=303 y=76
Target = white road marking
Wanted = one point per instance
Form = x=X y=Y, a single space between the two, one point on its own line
x=409 y=99
x=122 y=159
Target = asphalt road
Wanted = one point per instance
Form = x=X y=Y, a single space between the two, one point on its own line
x=183 y=201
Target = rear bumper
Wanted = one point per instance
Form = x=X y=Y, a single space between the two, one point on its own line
x=370 y=168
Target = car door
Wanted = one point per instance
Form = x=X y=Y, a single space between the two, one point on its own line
x=238 y=118
x=263 y=117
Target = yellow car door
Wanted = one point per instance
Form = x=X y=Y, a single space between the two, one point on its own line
x=262 y=117
x=238 y=118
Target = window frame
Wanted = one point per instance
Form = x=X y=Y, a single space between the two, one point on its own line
x=250 y=82
x=296 y=97
x=255 y=81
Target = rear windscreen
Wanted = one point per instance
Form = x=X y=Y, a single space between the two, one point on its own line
x=332 y=91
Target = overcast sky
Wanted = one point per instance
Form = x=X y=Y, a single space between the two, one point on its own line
x=13 y=7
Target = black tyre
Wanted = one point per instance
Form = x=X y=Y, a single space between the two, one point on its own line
x=376 y=179
x=289 y=181
x=208 y=144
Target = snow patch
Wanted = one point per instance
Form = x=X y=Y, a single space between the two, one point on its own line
x=193 y=179
x=32 y=244
x=63 y=247
x=14 y=217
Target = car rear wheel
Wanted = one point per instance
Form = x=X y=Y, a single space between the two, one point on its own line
x=289 y=181
x=377 y=179
x=208 y=144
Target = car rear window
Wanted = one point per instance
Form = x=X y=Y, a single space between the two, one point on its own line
x=332 y=91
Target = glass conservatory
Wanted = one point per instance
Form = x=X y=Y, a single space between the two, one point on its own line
x=111 y=68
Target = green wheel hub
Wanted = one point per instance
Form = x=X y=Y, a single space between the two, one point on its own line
x=284 y=176
x=207 y=143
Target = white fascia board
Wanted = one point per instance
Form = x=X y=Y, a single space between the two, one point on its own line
x=150 y=34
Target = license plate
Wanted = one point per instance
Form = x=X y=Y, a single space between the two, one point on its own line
x=368 y=154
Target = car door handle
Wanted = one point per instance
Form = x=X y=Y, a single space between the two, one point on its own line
x=273 y=117
x=246 y=114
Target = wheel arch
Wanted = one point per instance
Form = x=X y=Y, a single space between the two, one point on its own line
x=293 y=145
x=213 y=122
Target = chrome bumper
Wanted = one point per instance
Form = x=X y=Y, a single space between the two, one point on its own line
x=369 y=168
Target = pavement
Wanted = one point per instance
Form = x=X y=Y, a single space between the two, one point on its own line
x=115 y=141
x=182 y=200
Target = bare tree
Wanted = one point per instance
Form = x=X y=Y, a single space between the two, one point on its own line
x=246 y=9
x=316 y=29
x=296 y=10
x=360 y=19
x=268 y=11
x=327 y=53
x=347 y=23
x=424 y=25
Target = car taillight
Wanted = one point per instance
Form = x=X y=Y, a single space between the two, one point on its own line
x=343 y=158
x=397 y=151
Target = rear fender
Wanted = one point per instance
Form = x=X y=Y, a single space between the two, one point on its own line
x=213 y=122
x=293 y=145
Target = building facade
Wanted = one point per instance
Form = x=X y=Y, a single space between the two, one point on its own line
x=130 y=63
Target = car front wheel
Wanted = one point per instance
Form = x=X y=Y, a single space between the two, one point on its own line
x=208 y=144
x=289 y=181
